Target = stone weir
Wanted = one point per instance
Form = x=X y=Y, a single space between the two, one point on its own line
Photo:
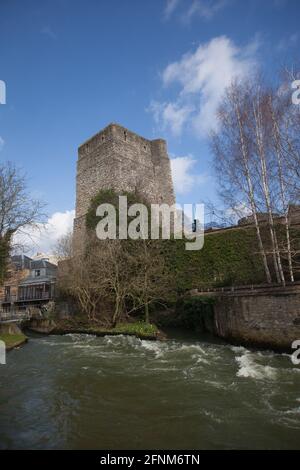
x=266 y=317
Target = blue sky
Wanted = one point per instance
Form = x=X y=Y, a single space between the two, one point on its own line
x=157 y=67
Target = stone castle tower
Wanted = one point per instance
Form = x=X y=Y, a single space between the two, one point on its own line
x=119 y=159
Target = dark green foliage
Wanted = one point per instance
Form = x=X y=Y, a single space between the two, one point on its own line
x=227 y=258
x=108 y=196
x=195 y=313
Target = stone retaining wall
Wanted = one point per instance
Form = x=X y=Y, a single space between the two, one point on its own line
x=270 y=320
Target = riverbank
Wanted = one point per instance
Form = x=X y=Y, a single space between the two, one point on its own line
x=260 y=317
x=75 y=325
x=12 y=335
x=13 y=340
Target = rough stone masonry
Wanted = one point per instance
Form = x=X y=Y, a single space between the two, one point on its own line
x=118 y=159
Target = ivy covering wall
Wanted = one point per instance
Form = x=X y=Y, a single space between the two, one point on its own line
x=227 y=258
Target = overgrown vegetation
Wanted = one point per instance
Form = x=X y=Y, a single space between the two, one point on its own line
x=137 y=328
x=113 y=279
x=227 y=258
x=80 y=324
x=196 y=313
x=109 y=196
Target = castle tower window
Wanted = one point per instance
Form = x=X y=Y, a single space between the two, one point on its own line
x=125 y=135
x=103 y=138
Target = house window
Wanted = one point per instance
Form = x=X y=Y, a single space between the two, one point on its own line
x=7 y=293
x=37 y=273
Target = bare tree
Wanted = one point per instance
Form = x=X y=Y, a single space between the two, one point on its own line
x=276 y=118
x=79 y=278
x=64 y=247
x=18 y=210
x=127 y=275
x=257 y=159
x=232 y=146
x=152 y=281
x=260 y=122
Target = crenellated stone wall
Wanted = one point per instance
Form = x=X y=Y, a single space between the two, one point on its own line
x=119 y=159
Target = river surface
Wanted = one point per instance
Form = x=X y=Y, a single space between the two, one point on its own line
x=83 y=392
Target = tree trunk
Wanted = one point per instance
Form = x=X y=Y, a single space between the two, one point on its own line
x=147 y=316
x=276 y=132
x=264 y=178
x=251 y=194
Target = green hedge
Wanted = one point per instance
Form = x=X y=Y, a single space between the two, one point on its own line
x=227 y=258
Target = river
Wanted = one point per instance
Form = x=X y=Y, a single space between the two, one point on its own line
x=83 y=392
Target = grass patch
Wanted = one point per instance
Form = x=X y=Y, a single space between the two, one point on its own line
x=11 y=341
x=139 y=328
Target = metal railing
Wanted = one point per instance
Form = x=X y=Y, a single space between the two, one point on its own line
x=251 y=287
x=10 y=298
x=14 y=316
x=26 y=297
x=41 y=296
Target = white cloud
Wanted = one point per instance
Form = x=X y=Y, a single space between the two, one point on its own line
x=203 y=76
x=43 y=238
x=171 y=6
x=2 y=142
x=184 y=177
x=170 y=115
x=205 y=9
x=288 y=42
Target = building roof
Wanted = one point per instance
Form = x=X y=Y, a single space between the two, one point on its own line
x=48 y=257
x=21 y=261
x=24 y=262
x=42 y=263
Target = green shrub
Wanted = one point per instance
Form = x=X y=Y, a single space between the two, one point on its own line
x=196 y=313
